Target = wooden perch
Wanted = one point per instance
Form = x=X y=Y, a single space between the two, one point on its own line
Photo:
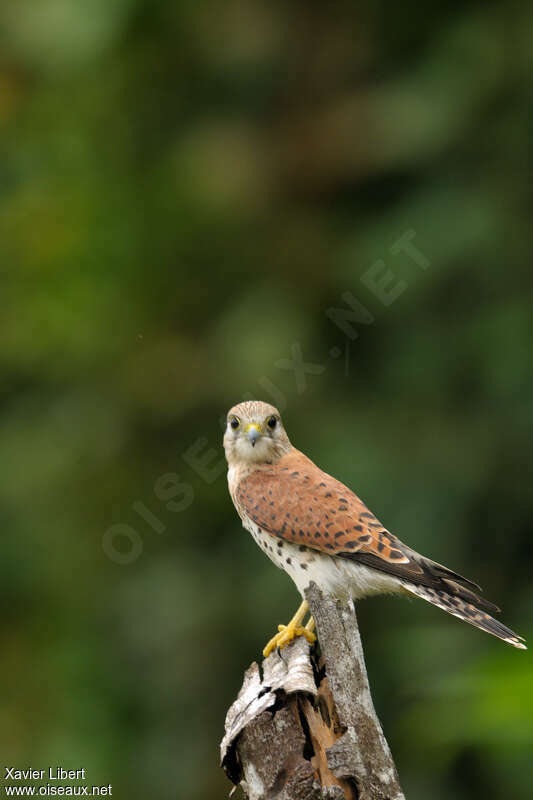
x=308 y=730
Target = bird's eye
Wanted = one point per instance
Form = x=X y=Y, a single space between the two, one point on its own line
x=272 y=422
x=234 y=422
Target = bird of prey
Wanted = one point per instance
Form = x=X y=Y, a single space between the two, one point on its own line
x=316 y=529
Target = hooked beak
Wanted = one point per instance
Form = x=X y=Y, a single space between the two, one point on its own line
x=253 y=433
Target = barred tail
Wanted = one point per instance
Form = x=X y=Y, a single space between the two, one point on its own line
x=467 y=612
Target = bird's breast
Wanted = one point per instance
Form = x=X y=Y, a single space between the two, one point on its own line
x=303 y=564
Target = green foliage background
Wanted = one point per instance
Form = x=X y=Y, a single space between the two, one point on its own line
x=186 y=189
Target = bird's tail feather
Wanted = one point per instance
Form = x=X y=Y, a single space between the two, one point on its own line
x=467 y=612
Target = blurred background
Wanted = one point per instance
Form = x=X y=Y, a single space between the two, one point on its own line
x=321 y=206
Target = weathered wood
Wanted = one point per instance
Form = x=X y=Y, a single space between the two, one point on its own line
x=362 y=753
x=307 y=729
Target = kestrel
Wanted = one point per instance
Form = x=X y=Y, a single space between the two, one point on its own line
x=316 y=529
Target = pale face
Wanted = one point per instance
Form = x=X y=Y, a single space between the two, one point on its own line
x=254 y=434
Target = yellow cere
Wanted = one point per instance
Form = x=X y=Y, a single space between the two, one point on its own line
x=252 y=426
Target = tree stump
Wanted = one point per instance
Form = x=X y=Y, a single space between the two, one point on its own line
x=307 y=729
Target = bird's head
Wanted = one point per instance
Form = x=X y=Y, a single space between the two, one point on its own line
x=254 y=434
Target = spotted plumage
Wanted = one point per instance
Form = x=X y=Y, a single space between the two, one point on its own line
x=316 y=529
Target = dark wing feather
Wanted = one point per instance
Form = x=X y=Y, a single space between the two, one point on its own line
x=421 y=573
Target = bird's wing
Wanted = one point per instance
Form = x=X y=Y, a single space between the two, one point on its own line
x=294 y=500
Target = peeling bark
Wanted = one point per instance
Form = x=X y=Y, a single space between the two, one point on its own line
x=307 y=729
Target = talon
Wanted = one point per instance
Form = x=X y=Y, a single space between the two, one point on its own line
x=286 y=633
x=309 y=635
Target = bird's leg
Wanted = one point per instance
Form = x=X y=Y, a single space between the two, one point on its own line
x=295 y=628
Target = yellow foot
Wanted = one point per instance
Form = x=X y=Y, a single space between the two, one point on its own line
x=289 y=632
x=286 y=635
